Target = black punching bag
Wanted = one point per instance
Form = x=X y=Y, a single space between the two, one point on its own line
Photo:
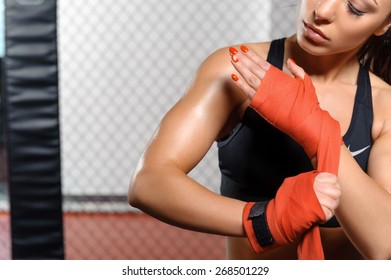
x=32 y=129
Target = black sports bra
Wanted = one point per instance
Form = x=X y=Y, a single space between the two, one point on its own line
x=255 y=158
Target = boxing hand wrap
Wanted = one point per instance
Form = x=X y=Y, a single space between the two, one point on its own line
x=281 y=220
x=291 y=105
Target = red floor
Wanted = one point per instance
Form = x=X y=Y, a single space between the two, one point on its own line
x=126 y=236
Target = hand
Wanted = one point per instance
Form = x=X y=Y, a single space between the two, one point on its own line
x=290 y=104
x=328 y=192
x=301 y=203
x=253 y=69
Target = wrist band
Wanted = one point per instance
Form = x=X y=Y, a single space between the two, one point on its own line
x=261 y=229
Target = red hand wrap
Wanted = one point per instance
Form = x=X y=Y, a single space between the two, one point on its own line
x=294 y=210
x=291 y=105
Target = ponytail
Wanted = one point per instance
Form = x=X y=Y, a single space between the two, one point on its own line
x=376 y=54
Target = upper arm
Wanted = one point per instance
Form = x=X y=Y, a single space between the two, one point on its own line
x=189 y=129
x=379 y=163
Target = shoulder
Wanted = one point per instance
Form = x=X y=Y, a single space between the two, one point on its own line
x=213 y=76
x=215 y=71
x=381 y=93
x=218 y=64
x=213 y=88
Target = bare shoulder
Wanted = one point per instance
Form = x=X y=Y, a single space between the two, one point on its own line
x=213 y=76
x=218 y=64
x=212 y=87
x=381 y=93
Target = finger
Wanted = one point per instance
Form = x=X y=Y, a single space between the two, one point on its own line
x=244 y=87
x=254 y=57
x=252 y=60
x=247 y=70
x=327 y=213
x=332 y=191
x=327 y=184
x=328 y=205
x=328 y=202
x=252 y=67
x=326 y=177
x=296 y=70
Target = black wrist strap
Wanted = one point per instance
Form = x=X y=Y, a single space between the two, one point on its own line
x=259 y=222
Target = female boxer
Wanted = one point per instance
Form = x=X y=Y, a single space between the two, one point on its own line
x=344 y=47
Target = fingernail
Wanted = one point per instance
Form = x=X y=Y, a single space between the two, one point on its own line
x=234 y=77
x=234 y=58
x=244 y=49
x=233 y=50
x=292 y=61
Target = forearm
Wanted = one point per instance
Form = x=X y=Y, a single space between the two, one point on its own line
x=365 y=210
x=171 y=196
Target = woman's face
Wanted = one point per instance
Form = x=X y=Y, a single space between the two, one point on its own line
x=335 y=26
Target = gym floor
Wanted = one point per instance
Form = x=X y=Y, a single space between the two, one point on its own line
x=132 y=237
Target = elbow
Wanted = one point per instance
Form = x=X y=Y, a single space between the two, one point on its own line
x=135 y=196
x=132 y=197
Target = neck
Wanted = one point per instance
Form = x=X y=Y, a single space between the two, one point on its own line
x=342 y=67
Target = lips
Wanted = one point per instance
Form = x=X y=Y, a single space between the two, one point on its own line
x=314 y=33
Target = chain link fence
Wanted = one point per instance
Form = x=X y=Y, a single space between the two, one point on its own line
x=122 y=65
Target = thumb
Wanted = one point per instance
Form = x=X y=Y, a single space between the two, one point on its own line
x=296 y=70
x=327 y=178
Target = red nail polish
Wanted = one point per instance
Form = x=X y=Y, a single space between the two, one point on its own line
x=244 y=49
x=234 y=77
x=233 y=50
x=234 y=58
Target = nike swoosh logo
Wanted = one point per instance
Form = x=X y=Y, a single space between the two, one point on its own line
x=355 y=153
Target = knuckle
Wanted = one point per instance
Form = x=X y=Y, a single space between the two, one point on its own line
x=253 y=81
x=260 y=73
x=250 y=94
x=338 y=193
x=334 y=205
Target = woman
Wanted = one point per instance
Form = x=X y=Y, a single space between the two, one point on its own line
x=333 y=36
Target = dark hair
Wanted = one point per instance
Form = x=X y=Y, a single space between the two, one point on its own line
x=376 y=54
